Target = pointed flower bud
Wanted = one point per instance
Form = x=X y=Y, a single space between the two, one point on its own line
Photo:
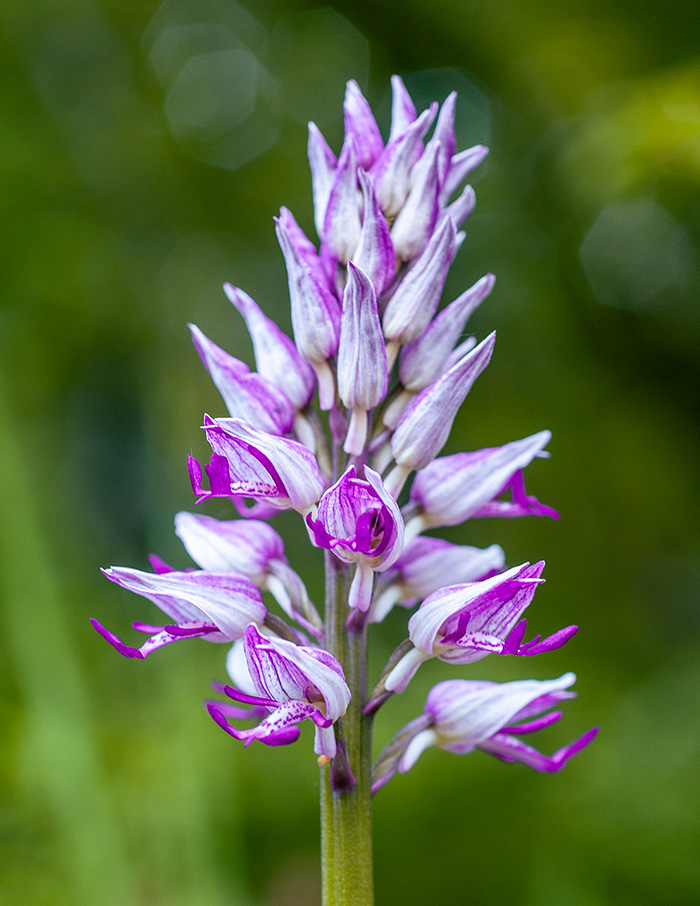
x=463 y=486
x=428 y=564
x=341 y=225
x=415 y=301
x=253 y=548
x=415 y=221
x=445 y=134
x=460 y=167
x=403 y=110
x=361 y=125
x=463 y=715
x=461 y=207
x=423 y=360
x=460 y=624
x=293 y=681
x=392 y=169
x=276 y=356
x=216 y=606
x=247 y=395
x=315 y=315
x=322 y=162
x=425 y=425
x=250 y=463
x=362 y=367
x=361 y=523
x=375 y=252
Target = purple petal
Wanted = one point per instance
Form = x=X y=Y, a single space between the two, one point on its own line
x=245 y=547
x=403 y=110
x=460 y=167
x=392 y=169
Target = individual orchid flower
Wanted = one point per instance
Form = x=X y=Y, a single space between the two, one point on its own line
x=293 y=682
x=247 y=395
x=255 y=549
x=216 y=606
x=463 y=715
x=464 y=486
x=428 y=564
x=460 y=624
x=461 y=165
x=250 y=463
x=362 y=365
x=403 y=111
x=361 y=523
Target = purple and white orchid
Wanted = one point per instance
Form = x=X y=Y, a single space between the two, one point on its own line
x=463 y=715
x=294 y=682
x=389 y=369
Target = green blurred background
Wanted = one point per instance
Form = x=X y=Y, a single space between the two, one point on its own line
x=144 y=150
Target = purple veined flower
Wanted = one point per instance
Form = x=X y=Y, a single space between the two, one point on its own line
x=293 y=682
x=425 y=425
x=315 y=313
x=247 y=395
x=246 y=462
x=362 y=365
x=464 y=486
x=276 y=356
x=428 y=564
x=255 y=549
x=460 y=624
x=361 y=523
x=445 y=134
x=463 y=715
x=216 y=606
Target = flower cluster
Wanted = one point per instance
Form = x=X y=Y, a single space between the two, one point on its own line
x=389 y=369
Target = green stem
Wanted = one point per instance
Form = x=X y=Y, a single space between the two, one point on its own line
x=346 y=817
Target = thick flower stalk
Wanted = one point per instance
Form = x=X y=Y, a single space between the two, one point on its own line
x=344 y=423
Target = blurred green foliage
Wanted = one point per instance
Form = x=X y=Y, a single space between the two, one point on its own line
x=145 y=149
